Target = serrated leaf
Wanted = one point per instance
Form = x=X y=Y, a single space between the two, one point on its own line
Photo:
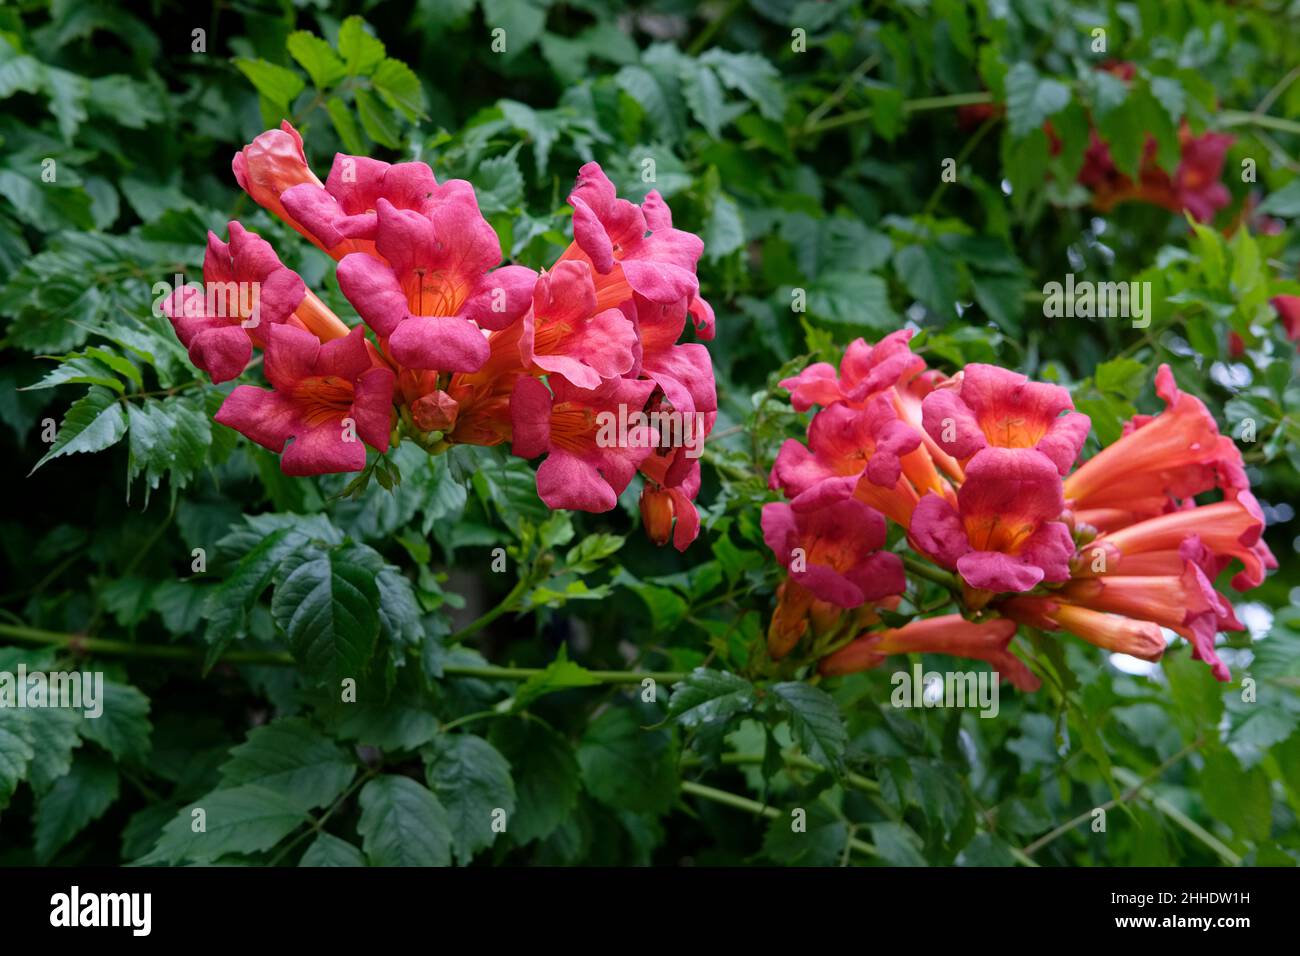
x=815 y=720
x=400 y=88
x=316 y=57
x=167 y=437
x=123 y=727
x=244 y=819
x=277 y=83
x=327 y=605
x=472 y=781
x=94 y=422
x=327 y=850
x=627 y=766
x=545 y=773
x=292 y=759
x=378 y=120
x=710 y=695
x=361 y=52
x=1032 y=98
x=403 y=824
x=76 y=799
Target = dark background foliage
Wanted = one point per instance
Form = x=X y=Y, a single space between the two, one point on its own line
x=813 y=170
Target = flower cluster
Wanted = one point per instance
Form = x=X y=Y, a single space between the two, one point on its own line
x=457 y=348
x=978 y=469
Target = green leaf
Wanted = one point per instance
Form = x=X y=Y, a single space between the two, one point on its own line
x=77 y=798
x=403 y=824
x=852 y=299
x=378 y=120
x=361 y=52
x=930 y=275
x=703 y=94
x=278 y=84
x=499 y=184
x=724 y=231
x=821 y=843
x=15 y=752
x=1031 y=99
x=245 y=819
x=171 y=436
x=815 y=720
x=326 y=603
x=753 y=76
x=316 y=57
x=329 y=850
x=94 y=422
x=292 y=759
x=400 y=88
x=626 y=766
x=545 y=774
x=123 y=727
x=710 y=695
x=560 y=674
x=472 y=780
x=522 y=21
x=345 y=125
x=1285 y=202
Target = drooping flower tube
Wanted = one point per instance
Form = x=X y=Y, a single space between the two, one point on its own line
x=987 y=640
x=1160 y=460
x=328 y=402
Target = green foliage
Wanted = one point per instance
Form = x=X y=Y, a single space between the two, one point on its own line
x=422 y=665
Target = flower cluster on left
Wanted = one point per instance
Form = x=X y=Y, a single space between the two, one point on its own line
x=582 y=363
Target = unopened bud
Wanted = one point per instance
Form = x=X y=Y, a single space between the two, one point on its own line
x=435 y=412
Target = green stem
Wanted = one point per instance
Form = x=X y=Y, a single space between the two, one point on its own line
x=929 y=572
x=1229 y=118
x=909 y=106
x=1129 y=778
x=753 y=806
x=79 y=643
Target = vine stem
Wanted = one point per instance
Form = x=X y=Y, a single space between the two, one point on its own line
x=929 y=572
x=737 y=802
x=80 y=643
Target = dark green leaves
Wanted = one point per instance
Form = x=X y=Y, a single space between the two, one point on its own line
x=326 y=603
x=472 y=780
x=403 y=824
x=709 y=695
x=92 y=423
x=1032 y=98
x=292 y=759
x=626 y=766
x=815 y=720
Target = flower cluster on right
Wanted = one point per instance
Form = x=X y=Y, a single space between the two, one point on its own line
x=979 y=470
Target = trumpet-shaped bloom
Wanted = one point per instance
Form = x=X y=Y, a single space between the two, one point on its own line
x=247 y=291
x=834 y=552
x=1159 y=460
x=989 y=407
x=639 y=243
x=432 y=292
x=579 y=473
x=682 y=369
x=328 y=399
x=1004 y=534
x=988 y=640
x=864 y=370
x=565 y=334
